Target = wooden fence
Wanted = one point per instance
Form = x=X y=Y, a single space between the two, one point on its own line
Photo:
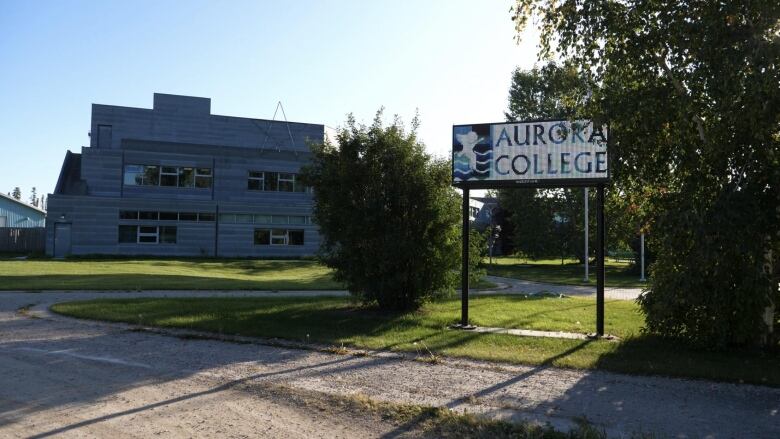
x=22 y=239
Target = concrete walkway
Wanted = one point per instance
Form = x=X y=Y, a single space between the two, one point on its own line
x=516 y=286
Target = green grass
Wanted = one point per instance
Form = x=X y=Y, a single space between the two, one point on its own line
x=169 y=274
x=570 y=273
x=165 y=274
x=336 y=321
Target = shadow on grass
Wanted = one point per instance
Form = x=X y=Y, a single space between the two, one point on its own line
x=125 y=282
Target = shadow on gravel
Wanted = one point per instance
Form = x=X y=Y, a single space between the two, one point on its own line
x=47 y=373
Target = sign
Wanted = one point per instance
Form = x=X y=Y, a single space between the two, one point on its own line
x=532 y=153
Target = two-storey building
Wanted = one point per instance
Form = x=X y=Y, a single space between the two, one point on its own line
x=178 y=180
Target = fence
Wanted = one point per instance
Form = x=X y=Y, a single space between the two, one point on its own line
x=22 y=239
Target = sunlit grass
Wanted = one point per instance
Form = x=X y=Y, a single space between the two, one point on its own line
x=571 y=272
x=337 y=321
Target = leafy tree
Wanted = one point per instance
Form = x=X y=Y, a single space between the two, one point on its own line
x=387 y=213
x=690 y=92
x=17 y=193
x=34 y=197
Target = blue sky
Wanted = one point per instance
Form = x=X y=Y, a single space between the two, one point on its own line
x=452 y=60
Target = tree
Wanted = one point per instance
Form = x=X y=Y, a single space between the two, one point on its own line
x=388 y=216
x=690 y=92
x=17 y=193
x=34 y=197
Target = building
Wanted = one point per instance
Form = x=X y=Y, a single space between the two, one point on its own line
x=14 y=213
x=178 y=180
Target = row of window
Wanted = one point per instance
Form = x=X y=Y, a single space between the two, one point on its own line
x=173 y=176
x=245 y=218
x=202 y=178
x=278 y=237
x=147 y=234
x=275 y=182
x=166 y=216
x=139 y=234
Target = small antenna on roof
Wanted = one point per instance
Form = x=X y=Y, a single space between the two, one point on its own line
x=279 y=106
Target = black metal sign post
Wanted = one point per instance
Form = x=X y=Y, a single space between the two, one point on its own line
x=531 y=154
x=464 y=269
x=600 y=262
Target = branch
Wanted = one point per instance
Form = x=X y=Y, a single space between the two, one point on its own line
x=681 y=90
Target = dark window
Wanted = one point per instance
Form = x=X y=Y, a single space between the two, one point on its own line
x=206 y=217
x=169 y=176
x=128 y=234
x=149 y=215
x=255 y=182
x=286 y=182
x=278 y=237
x=168 y=235
x=203 y=178
x=262 y=237
x=151 y=176
x=148 y=234
x=169 y=216
x=295 y=237
x=272 y=181
x=188 y=216
x=128 y=214
x=186 y=177
x=279 y=219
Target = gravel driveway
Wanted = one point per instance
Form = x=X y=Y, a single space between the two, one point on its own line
x=63 y=376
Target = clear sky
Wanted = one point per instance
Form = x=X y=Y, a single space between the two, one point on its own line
x=452 y=60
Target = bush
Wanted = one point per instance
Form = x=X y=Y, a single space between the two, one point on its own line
x=387 y=214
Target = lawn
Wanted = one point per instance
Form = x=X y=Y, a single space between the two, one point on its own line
x=570 y=272
x=168 y=274
x=336 y=321
x=165 y=274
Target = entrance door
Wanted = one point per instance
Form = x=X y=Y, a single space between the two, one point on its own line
x=61 y=240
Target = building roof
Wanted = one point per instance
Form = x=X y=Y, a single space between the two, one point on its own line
x=21 y=203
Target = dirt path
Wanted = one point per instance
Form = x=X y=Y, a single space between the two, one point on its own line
x=62 y=376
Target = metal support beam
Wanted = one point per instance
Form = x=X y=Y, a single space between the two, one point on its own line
x=464 y=271
x=600 y=261
x=587 y=275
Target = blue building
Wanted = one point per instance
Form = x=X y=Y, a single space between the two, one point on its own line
x=14 y=213
x=178 y=180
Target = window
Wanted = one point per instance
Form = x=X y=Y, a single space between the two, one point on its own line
x=271 y=181
x=263 y=219
x=147 y=234
x=134 y=175
x=203 y=178
x=169 y=216
x=206 y=217
x=186 y=177
x=128 y=234
x=169 y=176
x=149 y=215
x=262 y=237
x=295 y=237
x=286 y=182
x=243 y=218
x=128 y=214
x=188 y=216
x=275 y=181
x=227 y=217
x=297 y=219
x=278 y=237
x=3 y=221
x=168 y=235
x=279 y=219
x=255 y=182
